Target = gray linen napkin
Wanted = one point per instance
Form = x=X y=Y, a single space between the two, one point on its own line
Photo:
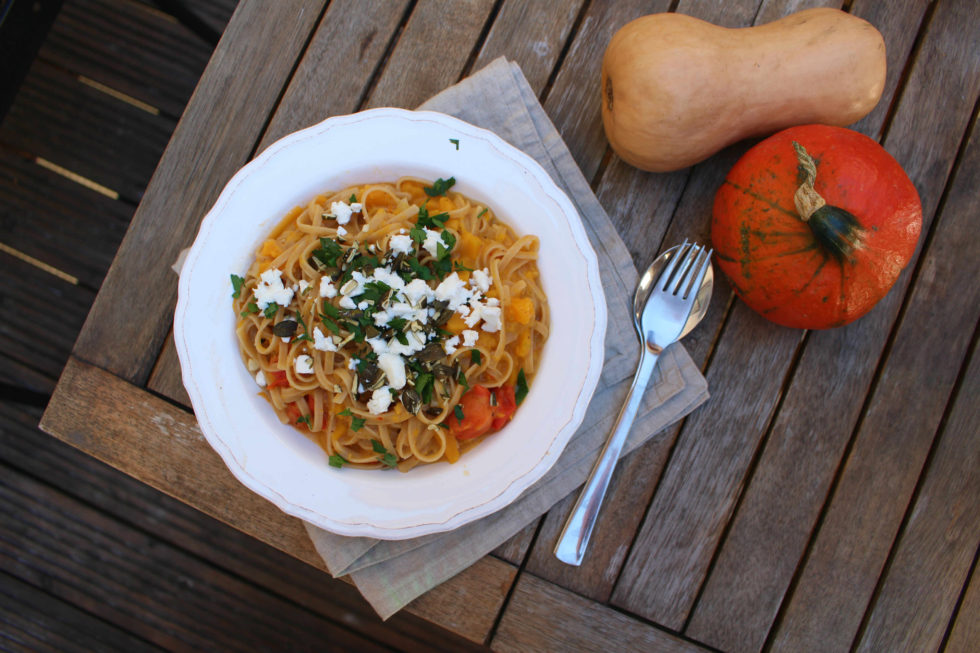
x=390 y=574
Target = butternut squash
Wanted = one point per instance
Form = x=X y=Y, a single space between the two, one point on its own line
x=676 y=89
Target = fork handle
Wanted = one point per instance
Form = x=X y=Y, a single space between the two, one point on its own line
x=574 y=538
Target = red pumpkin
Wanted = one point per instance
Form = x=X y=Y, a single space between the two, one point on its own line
x=814 y=224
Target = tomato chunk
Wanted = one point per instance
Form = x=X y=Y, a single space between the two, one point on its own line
x=477 y=414
x=505 y=405
x=276 y=379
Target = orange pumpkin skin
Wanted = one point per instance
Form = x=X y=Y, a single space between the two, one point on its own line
x=772 y=257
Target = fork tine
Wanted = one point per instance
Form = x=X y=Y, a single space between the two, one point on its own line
x=683 y=268
x=668 y=272
x=698 y=271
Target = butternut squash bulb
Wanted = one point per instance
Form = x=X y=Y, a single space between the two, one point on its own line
x=676 y=89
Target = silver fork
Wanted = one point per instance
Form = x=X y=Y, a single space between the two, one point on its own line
x=661 y=308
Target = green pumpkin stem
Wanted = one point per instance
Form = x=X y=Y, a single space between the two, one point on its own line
x=838 y=231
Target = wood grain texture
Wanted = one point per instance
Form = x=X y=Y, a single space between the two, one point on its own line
x=572 y=102
x=895 y=436
x=182 y=465
x=965 y=631
x=58 y=221
x=789 y=485
x=60 y=119
x=28 y=302
x=132 y=48
x=531 y=34
x=245 y=102
x=338 y=65
x=430 y=55
x=544 y=617
x=95 y=563
x=932 y=559
x=33 y=620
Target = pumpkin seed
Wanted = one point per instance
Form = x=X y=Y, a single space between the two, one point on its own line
x=285 y=329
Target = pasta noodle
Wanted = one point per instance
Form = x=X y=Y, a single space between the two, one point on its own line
x=396 y=324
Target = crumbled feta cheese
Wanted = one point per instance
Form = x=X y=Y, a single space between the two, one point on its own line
x=416 y=290
x=389 y=278
x=363 y=305
x=322 y=342
x=270 y=290
x=347 y=302
x=486 y=312
x=260 y=378
x=491 y=318
x=342 y=211
x=378 y=345
x=303 y=364
x=451 y=345
x=286 y=339
x=432 y=241
x=327 y=289
x=380 y=400
x=356 y=207
x=469 y=337
x=352 y=363
x=453 y=290
x=341 y=231
x=480 y=279
x=393 y=366
x=304 y=285
x=400 y=244
x=416 y=342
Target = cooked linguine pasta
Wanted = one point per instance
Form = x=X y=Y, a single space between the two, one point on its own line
x=394 y=323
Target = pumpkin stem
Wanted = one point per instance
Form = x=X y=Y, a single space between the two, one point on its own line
x=837 y=230
x=807 y=199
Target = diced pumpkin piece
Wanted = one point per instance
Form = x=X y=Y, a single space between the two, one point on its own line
x=521 y=310
x=469 y=245
x=379 y=200
x=270 y=249
x=456 y=325
x=452 y=449
x=523 y=347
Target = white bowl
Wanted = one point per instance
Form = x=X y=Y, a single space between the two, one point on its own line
x=288 y=469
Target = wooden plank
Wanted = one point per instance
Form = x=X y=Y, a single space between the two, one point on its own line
x=185 y=467
x=759 y=556
x=31 y=619
x=531 y=34
x=244 y=105
x=866 y=510
x=127 y=500
x=965 y=633
x=58 y=221
x=932 y=559
x=572 y=102
x=107 y=40
x=426 y=59
x=130 y=580
x=544 y=617
x=29 y=298
x=85 y=130
x=338 y=65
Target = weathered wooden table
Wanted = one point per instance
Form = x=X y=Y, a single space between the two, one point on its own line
x=826 y=497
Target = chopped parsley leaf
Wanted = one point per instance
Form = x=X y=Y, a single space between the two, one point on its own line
x=439 y=186
x=346 y=413
x=458 y=412
x=459 y=267
x=356 y=423
x=236 y=285
x=251 y=309
x=424 y=385
x=271 y=310
x=353 y=199
x=328 y=252
x=521 y=391
x=480 y=214
x=454 y=141
x=305 y=419
x=475 y=356
x=387 y=458
x=337 y=461
x=461 y=379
